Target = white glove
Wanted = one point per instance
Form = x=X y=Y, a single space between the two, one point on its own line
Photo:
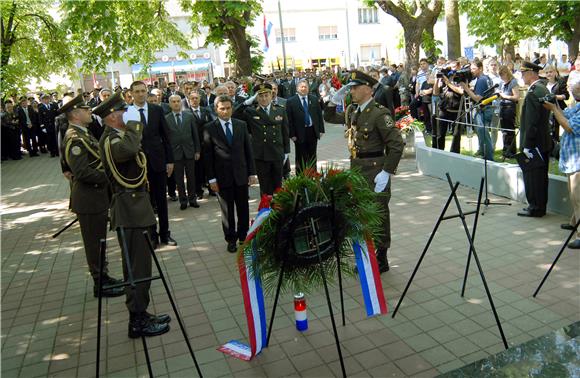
x=251 y=100
x=132 y=114
x=381 y=181
x=528 y=153
x=339 y=95
x=285 y=158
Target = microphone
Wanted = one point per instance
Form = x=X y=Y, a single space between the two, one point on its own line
x=490 y=90
x=488 y=100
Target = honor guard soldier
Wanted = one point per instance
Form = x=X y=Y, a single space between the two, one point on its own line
x=268 y=126
x=131 y=211
x=375 y=145
x=89 y=188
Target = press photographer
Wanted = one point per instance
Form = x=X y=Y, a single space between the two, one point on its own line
x=483 y=114
x=450 y=93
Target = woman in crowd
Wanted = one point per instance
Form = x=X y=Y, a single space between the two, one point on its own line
x=558 y=88
x=510 y=94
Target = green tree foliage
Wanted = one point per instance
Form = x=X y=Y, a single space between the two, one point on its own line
x=415 y=16
x=32 y=44
x=559 y=19
x=228 y=20
x=100 y=32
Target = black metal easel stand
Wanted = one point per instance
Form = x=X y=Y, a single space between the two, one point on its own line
x=461 y=215
x=557 y=257
x=69 y=225
x=132 y=283
x=314 y=229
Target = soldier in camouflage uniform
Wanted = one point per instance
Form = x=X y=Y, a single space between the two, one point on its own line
x=375 y=146
x=131 y=212
x=89 y=198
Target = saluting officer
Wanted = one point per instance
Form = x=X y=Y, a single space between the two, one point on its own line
x=268 y=126
x=375 y=146
x=89 y=188
x=131 y=211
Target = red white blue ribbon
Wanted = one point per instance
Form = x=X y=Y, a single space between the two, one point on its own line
x=370 y=278
x=253 y=301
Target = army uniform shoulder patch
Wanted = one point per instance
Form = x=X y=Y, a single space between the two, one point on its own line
x=379 y=105
x=389 y=120
x=76 y=150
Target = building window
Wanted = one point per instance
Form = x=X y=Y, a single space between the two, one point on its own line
x=327 y=33
x=289 y=35
x=368 y=16
x=370 y=53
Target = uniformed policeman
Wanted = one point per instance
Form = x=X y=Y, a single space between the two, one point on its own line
x=535 y=139
x=89 y=188
x=131 y=212
x=268 y=126
x=375 y=146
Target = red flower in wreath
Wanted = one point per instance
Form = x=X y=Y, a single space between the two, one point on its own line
x=312 y=173
x=335 y=82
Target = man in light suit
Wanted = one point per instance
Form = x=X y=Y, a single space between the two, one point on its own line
x=155 y=143
x=184 y=141
x=305 y=123
x=229 y=164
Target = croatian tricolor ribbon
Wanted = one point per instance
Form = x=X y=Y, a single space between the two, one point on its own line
x=253 y=301
x=370 y=278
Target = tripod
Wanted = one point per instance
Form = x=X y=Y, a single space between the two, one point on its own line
x=132 y=282
x=69 y=225
x=486 y=201
x=557 y=257
x=316 y=241
x=461 y=215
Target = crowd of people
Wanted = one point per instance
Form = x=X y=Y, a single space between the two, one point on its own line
x=176 y=142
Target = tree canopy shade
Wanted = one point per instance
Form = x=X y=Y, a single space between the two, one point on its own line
x=415 y=16
x=32 y=43
x=228 y=20
x=560 y=19
x=100 y=32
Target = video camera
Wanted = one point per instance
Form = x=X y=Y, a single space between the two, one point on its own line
x=548 y=98
x=462 y=75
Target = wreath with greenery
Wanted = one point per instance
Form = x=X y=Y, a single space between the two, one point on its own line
x=354 y=216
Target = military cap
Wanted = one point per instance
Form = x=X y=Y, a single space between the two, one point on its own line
x=360 y=78
x=45 y=95
x=112 y=104
x=262 y=88
x=76 y=103
x=528 y=66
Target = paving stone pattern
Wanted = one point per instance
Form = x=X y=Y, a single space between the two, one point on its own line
x=49 y=313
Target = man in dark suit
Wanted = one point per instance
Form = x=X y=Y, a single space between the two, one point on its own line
x=184 y=141
x=46 y=116
x=201 y=116
x=159 y=154
x=535 y=140
x=171 y=90
x=270 y=143
x=26 y=122
x=285 y=84
x=383 y=94
x=276 y=99
x=305 y=124
x=229 y=165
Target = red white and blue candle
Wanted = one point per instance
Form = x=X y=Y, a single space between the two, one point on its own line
x=300 y=312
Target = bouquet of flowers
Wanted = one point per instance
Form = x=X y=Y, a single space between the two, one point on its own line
x=404 y=121
x=335 y=82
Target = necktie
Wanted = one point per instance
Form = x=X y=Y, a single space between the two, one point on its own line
x=229 y=135
x=355 y=117
x=265 y=110
x=307 y=121
x=178 y=117
x=198 y=114
x=142 y=116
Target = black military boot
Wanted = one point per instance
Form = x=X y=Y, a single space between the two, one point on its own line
x=141 y=325
x=109 y=292
x=383 y=261
x=161 y=318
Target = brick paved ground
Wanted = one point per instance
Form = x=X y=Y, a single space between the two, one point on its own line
x=49 y=313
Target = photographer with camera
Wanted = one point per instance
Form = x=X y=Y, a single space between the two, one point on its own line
x=569 y=163
x=483 y=113
x=509 y=94
x=450 y=93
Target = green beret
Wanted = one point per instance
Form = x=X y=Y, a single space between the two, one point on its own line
x=77 y=102
x=112 y=104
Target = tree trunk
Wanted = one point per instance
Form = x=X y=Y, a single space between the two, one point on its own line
x=573 y=46
x=241 y=46
x=431 y=53
x=453 y=31
x=509 y=48
x=412 y=46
